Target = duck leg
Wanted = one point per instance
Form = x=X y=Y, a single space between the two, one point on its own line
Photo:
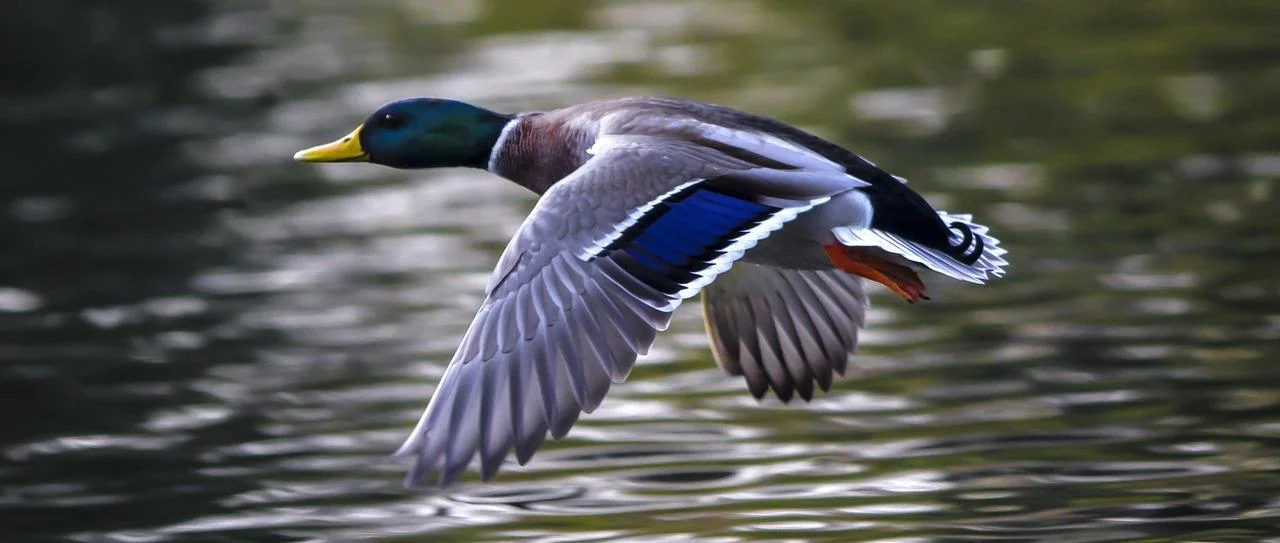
x=862 y=262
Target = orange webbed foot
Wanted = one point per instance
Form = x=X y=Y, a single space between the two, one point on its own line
x=862 y=262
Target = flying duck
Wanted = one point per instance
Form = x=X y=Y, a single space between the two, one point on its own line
x=643 y=203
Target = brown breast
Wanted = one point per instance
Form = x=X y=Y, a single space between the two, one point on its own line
x=545 y=147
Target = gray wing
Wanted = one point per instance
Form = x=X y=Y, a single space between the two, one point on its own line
x=784 y=329
x=590 y=277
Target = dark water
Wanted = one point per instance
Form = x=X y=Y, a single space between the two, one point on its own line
x=202 y=341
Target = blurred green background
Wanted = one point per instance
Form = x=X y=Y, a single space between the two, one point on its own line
x=203 y=341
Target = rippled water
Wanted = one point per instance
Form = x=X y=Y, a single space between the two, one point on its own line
x=202 y=341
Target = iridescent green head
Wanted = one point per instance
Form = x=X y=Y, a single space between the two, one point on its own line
x=418 y=133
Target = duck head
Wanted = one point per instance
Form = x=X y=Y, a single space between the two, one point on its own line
x=417 y=133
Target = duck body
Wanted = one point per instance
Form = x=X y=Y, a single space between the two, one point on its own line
x=645 y=202
x=543 y=148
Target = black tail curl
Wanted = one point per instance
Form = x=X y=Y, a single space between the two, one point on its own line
x=969 y=250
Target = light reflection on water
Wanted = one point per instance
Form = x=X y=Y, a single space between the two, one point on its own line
x=204 y=341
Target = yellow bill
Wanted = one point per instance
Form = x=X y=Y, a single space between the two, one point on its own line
x=347 y=149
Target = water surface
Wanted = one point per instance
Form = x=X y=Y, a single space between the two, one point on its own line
x=203 y=341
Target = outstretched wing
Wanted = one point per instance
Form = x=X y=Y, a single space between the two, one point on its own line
x=590 y=277
x=784 y=329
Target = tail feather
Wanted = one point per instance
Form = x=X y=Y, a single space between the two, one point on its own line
x=987 y=256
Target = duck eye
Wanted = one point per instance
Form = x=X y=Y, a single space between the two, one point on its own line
x=392 y=120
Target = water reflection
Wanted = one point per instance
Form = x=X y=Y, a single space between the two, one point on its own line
x=203 y=341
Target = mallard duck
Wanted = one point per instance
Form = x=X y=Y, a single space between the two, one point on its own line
x=645 y=202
